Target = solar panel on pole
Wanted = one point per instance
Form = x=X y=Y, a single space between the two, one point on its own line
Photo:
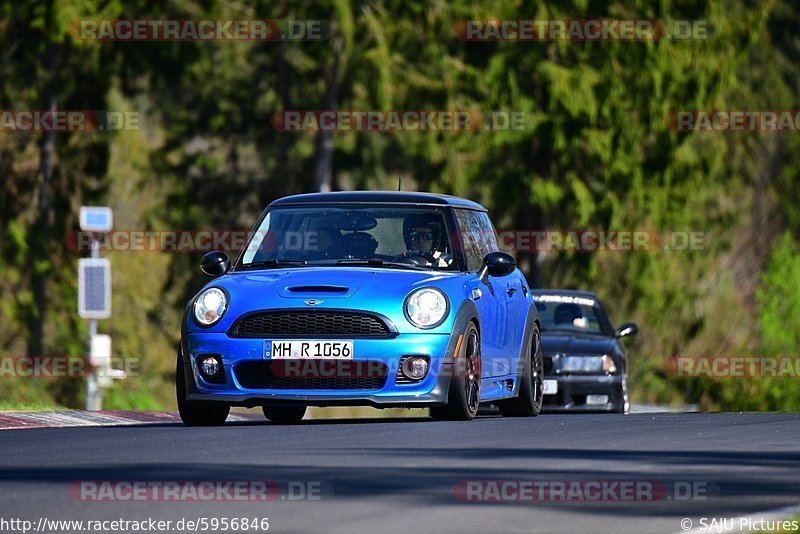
x=94 y=288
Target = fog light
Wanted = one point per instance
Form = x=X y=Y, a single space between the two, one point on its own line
x=415 y=368
x=210 y=366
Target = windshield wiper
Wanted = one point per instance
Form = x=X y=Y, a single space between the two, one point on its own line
x=377 y=262
x=273 y=263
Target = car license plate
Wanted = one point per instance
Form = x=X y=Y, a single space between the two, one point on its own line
x=311 y=349
x=596 y=399
x=550 y=387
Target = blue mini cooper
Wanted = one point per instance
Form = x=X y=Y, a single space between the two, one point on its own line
x=384 y=299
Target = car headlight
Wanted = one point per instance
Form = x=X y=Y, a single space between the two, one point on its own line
x=210 y=306
x=426 y=307
x=582 y=364
x=589 y=364
x=609 y=366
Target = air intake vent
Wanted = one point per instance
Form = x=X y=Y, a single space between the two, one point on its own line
x=260 y=375
x=319 y=289
x=311 y=324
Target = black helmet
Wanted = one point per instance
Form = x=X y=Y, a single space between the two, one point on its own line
x=434 y=222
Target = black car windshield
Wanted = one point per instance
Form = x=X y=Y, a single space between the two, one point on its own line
x=414 y=237
x=571 y=314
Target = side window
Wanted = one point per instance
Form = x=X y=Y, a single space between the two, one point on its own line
x=477 y=235
x=487 y=234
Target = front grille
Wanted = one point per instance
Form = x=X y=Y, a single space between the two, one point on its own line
x=303 y=374
x=311 y=324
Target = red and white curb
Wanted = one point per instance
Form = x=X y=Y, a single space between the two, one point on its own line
x=17 y=420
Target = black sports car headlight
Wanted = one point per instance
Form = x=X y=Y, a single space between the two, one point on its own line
x=589 y=364
x=609 y=365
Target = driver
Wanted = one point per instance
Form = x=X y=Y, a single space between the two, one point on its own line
x=424 y=236
x=570 y=314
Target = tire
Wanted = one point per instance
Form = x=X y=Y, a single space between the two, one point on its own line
x=195 y=413
x=528 y=402
x=463 y=396
x=284 y=415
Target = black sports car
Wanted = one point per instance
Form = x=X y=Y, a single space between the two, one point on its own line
x=585 y=365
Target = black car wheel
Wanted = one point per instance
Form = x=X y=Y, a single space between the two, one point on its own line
x=284 y=415
x=528 y=402
x=196 y=413
x=464 y=394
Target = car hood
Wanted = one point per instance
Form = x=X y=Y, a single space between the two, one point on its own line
x=327 y=282
x=577 y=343
x=378 y=290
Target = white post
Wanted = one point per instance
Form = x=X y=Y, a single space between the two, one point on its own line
x=95 y=219
x=94 y=395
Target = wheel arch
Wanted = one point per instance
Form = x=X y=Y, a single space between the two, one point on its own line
x=531 y=321
x=467 y=313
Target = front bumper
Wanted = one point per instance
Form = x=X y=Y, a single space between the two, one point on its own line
x=384 y=353
x=573 y=391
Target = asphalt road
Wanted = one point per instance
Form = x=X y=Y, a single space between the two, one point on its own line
x=395 y=475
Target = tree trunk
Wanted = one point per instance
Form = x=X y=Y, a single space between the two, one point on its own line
x=286 y=138
x=45 y=208
x=323 y=164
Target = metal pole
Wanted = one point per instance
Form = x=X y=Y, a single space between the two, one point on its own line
x=92 y=391
x=94 y=395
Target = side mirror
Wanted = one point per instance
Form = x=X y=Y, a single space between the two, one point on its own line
x=215 y=263
x=627 y=329
x=497 y=264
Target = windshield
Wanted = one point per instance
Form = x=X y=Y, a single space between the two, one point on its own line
x=571 y=314
x=390 y=236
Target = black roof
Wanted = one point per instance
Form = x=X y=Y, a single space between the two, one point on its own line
x=379 y=197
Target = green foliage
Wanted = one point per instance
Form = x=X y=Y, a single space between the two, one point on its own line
x=779 y=299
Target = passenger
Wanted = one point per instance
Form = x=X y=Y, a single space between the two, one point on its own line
x=328 y=243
